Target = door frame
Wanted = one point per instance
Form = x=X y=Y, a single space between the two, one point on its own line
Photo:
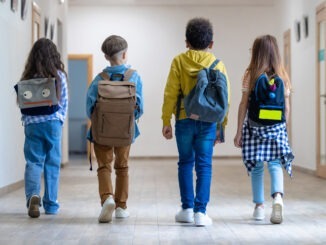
x=287 y=65
x=89 y=60
x=320 y=16
x=36 y=19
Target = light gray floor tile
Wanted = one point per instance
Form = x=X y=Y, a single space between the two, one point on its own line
x=154 y=200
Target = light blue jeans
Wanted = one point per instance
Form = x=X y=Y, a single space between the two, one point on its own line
x=195 y=141
x=42 y=151
x=257 y=179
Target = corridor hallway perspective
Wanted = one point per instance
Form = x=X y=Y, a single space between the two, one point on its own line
x=153 y=202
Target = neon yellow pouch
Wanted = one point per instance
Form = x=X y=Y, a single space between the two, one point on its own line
x=270 y=114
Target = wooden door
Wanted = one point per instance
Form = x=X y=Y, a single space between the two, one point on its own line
x=321 y=89
x=287 y=65
x=36 y=23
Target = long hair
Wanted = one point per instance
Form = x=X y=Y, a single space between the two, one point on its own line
x=266 y=58
x=44 y=61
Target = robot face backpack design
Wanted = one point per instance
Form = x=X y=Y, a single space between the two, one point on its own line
x=37 y=96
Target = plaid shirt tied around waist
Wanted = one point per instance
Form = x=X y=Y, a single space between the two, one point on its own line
x=267 y=143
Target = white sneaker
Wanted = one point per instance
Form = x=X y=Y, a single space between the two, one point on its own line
x=277 y=212
x=107 y=210
x=185 y=216
x=259 y=213
x=121 y=213
x=202 y=219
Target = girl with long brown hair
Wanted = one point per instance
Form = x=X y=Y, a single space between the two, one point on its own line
x=42 y=148
x=254 y=137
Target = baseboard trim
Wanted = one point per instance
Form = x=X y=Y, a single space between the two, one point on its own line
x=176 y=157
x=12 y=187
x=304 y=170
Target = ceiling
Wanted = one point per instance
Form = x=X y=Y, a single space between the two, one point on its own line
x=172 y=2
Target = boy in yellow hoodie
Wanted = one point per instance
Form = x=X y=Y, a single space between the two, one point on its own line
x=195 y=139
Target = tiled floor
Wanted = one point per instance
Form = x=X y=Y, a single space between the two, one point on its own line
x=153 y=201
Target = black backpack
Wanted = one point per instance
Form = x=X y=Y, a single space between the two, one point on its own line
x=266 y=101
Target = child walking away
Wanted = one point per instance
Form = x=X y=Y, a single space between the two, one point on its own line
x=114 y=103
x=43 y=99
x=261 y=132
x=196 y=132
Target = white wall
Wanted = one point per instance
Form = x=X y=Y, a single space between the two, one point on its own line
x=155 y=35
x=303 y=79
x=15 y=44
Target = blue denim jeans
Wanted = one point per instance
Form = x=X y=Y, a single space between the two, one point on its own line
x=257 y=179
x=42 y=151
x=195 y=141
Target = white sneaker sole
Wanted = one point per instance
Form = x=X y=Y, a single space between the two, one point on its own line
x=203 y=223
x=121 y=215
x=200 y=222
x=259 y=218
x=277 y=214
x=106 y=213
x=184 y=218
x=184 y=221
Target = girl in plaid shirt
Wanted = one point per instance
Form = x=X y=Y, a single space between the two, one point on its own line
x=264 y=143
x=42 y=148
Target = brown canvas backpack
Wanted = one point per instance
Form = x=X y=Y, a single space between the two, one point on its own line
x=113 y=115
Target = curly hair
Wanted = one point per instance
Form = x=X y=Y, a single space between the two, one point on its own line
x=199 y=33
x=43 y=61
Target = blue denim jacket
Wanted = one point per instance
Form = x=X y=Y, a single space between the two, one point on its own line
x=92 y=94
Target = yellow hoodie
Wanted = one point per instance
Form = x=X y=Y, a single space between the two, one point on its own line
x=183 y=77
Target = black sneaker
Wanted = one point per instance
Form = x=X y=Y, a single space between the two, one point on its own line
x=34 y=206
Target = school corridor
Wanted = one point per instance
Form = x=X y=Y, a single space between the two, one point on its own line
x=155 y=32
x=153 y=202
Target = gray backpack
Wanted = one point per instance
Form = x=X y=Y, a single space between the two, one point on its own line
x=37 y=96
x=113 y=115
x=208 y=100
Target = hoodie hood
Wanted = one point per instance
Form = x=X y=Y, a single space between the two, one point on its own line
x=182 y=79
x=193 y=61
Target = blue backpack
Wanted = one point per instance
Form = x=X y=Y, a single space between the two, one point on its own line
x=266 y=101
x=208 y=100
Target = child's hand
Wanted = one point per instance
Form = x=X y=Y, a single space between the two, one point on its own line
x=167 y=132
x=238 y=140
x=218 y=139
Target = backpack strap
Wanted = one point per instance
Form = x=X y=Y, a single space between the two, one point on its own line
x=105 y=76
x=128 y=74
x=214 y=64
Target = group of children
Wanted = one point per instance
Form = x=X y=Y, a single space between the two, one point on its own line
x=195 y=139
